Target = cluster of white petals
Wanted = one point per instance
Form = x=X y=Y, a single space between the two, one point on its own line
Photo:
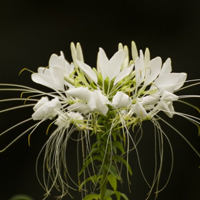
x=108 y=101
x=46 y=109
x=141 y=86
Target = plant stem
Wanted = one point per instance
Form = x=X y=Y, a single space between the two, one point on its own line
x=103 y=184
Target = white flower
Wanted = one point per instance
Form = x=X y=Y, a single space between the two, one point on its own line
x=121 y=100
x=152 y=104
x=108 y=68
x=125 y=63
x=146 y=70
x=98 y=102
x=80 y=107
x=168 y=81
x=53 y=77
x=166 y=103
x=46 y=109
x=150 y=100
x=112 y=68
x=139 y=110
x=65 y=119
x=92 y=100
x=88 y=71
x=76 y=52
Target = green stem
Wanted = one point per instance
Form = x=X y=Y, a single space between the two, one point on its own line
x=103 y=184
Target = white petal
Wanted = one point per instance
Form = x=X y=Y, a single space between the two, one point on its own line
x=43 y=70
x=166 y=82
x=64 y=119
x=42 y=101
x=114 y=64
x=139 y=110
x=123 y=74
x=153 y=70
x=134 y=51
x=43 y=79
x=57 y=75
x=167 y=108
x=80 y=107
x=79 y=52
x=146 y=56
x=73 y=51
x=103 y=63
x=47 y=110
x=81 y=93
x=88 y=71
x=97 y=102
x=58 y=60
x=121 y=100
x=181 y=80
x=139 y=69
x=166 y=68
x=168 y=96
x=76 y=52
x=150 y=100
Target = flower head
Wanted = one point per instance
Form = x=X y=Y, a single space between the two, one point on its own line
x=106 y=102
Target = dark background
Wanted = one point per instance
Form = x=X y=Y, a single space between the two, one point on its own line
x=31 y=31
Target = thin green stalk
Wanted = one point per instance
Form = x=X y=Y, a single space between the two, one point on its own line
x=103 y=184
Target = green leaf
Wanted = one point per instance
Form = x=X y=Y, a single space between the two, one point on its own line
x=91 y=178
x=124 y=196
x=120 y=194
x=108 y=193
x=113 y=181
x=87 y=162
x=21 y=197
x=119 y=146
x=120 y=159
x=94 y=180
x=94 y=150
x=91 y=197
x=109 y=198
x=112 y=169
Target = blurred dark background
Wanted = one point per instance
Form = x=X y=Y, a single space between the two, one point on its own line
x=31 y=31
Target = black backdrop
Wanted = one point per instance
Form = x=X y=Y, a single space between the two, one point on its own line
x=31 y=31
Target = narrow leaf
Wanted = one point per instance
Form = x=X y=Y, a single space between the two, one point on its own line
x=91 y=197
x=113 y=181
x=112 y=170
x=108 y=193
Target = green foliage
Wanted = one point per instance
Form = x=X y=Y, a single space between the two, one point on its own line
x=105 y=157
x=113 y=181
x=21 y=197
x=92 y=197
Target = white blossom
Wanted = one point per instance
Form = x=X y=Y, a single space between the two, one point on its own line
x=121 y=100
x=53 y=77
x=65 y=119
x=46 y=109
x=92 y=100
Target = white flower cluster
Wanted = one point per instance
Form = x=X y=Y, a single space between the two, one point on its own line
x=138 y=88
x=106 y=102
